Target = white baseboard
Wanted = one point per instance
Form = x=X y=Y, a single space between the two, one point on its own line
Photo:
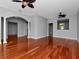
x=67 y=38
x=0 y=42
x=37 y=37
x=29 y=37
x=3 y=42
x=78 y=41
x=34 y=37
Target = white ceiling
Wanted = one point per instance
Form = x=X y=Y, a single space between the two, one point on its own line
x=46 y=8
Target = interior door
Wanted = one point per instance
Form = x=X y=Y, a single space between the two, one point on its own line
x=51 y=29
x=12 y=32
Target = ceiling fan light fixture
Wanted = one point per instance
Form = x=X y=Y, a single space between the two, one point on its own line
x=24 y=3
x=61 y=15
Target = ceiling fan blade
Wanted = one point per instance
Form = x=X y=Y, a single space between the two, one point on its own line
x=30 y=1
x=23 y=6
x=17 y=1
x=31 y=5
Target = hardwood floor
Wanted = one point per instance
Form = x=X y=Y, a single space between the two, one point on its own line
x=44 y=48
x=12 y=39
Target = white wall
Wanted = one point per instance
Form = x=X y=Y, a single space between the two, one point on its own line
x=12 y=28
x=39 y=27
x=70 y=34
x=22 y=26
x=78 y=25
x=4 y=12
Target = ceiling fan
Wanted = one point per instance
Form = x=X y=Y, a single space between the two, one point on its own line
x=61 y=15
x=25 y=3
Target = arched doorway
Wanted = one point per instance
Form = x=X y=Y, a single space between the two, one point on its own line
x=16 y=27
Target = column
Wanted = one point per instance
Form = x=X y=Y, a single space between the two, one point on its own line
x=4 y=31
x=29 y=29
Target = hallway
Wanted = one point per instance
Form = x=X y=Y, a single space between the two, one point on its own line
x=43 y=48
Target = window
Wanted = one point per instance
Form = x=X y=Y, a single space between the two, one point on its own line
x=63 y=24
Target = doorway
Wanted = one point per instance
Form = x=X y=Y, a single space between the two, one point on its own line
x=12 y=32
x=51 y=29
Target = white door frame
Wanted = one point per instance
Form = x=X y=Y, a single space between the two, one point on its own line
x=4 y=31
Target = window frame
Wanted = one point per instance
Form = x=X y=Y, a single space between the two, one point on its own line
x=65 y=25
